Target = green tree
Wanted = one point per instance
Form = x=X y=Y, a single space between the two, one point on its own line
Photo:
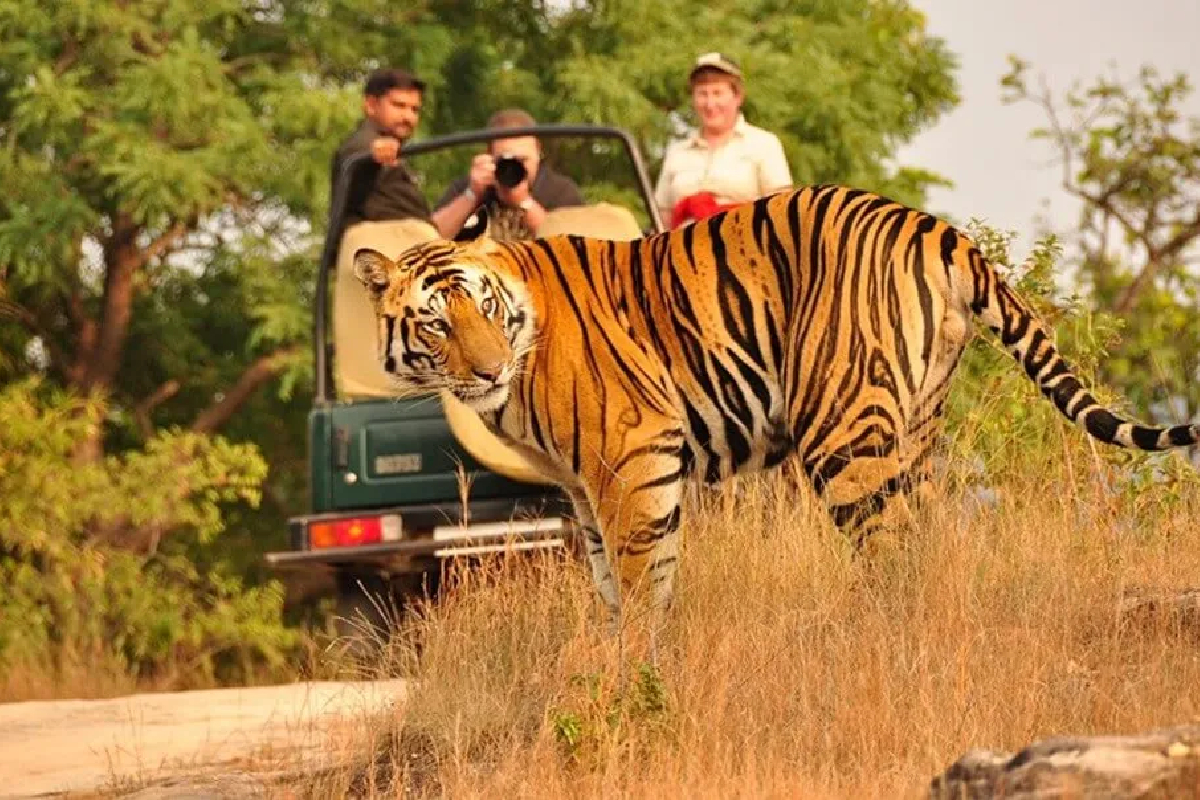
x=147 y=148
x=166 y=169
x=1132 y=159
x=844 y=83
x=72 y=603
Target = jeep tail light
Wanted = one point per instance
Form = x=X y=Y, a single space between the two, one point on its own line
x=353 y=531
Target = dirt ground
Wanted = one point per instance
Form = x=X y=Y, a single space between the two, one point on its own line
x=49 y=748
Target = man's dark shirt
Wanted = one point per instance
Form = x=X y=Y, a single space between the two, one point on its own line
x=376 y=192
x=549 y=188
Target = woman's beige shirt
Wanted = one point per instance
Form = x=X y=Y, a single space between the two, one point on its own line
x=748 y=165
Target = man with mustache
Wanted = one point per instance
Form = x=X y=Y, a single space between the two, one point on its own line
x=384 y=189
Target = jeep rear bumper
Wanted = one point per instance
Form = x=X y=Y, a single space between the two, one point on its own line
x=419 y=535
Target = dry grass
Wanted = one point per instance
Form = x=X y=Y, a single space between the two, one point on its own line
x=100 y=675
x=37 y=681
x=792 y=669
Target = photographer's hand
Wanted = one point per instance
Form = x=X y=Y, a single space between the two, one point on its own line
x=482 y=175
x=449 y=219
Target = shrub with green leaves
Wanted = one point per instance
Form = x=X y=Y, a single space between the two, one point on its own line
x=94 y=565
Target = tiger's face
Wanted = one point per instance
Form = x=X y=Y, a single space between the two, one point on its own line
x=447 y=321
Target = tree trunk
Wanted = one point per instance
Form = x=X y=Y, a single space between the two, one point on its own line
x=102 y=341
x=122 y=258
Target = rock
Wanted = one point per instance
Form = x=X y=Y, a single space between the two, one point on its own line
x=1160 y=764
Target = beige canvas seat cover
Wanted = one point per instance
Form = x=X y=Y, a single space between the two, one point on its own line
x=357 y=370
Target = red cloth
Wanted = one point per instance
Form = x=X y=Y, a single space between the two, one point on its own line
x=696 y=206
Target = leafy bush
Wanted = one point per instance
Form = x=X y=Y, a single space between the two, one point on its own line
x=93 y=556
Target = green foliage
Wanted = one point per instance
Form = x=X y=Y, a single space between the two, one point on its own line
x=79 y=581
x=180 y=479
x=132 y=126
x=1132 y=159
x=843 y=84
x=599 y=715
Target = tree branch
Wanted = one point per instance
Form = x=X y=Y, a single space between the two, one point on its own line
x=85 y=338
x=1062 y=138
x=1104 y=202
x=20 y=314
x=122 y=258
x=1185 y=236
x=30 y=321
x=1060 y=133
x=141 y=412
x=235 y=65
x=257 y=374
x=167 y=239
x=66 y=59
x=1155 y=258
x=102 y=343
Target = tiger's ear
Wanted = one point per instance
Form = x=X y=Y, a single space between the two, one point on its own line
x=374 y=270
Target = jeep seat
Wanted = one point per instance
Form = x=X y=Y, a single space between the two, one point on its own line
x=601 y=220
x=357 y=370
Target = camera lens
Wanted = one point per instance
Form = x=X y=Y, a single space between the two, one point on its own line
x=510 y=171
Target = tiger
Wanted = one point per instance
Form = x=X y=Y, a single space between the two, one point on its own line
x=821 y=324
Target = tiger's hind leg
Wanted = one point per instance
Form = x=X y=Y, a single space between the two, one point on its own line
x=869 y=492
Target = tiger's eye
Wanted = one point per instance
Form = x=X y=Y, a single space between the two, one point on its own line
x=438 y=327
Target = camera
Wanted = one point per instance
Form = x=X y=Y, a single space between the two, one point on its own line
x=510 y=170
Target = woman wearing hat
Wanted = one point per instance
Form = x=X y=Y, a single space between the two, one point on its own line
x=727 y=161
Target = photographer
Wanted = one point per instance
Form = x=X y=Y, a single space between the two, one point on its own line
x=509 y=185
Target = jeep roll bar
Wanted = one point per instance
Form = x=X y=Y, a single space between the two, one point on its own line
x=333 y=235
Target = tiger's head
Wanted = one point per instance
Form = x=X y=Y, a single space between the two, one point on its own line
x=448 y=320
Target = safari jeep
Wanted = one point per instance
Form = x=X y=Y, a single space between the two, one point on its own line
x=397 y=486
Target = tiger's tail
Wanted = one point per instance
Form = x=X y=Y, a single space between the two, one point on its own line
x=1025 y=337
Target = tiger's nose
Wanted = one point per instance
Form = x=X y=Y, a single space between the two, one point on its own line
x=489 y=372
